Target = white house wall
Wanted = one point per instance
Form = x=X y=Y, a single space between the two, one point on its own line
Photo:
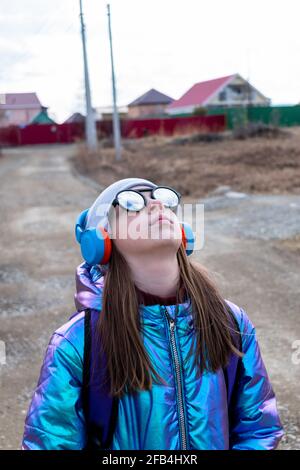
x=233 y=99
x=182 y=110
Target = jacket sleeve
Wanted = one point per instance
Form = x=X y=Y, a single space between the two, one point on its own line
x=55 y=417
x=256 y=424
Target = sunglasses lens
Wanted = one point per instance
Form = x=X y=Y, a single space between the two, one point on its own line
x=168 y=197
x=131 y=201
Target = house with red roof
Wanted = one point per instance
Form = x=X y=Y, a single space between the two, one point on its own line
x=18 y=108
x=232 y=90
x=153 y=103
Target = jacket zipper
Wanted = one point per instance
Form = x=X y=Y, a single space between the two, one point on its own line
x=172 y=326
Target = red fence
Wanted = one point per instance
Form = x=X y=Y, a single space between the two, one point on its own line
x=68 y=133
x=172 y=126
x=41 y=134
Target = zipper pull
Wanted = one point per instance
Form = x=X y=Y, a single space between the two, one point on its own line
x=170 y=319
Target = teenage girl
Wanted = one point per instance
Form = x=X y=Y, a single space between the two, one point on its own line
x=183 y=364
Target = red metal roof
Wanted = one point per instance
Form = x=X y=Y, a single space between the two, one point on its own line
x=20 y=100
x=200 y=92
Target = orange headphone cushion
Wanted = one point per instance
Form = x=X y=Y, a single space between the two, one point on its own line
x=107 y=246
x=184 y=241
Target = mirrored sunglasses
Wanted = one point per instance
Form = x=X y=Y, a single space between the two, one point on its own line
x=133 y=200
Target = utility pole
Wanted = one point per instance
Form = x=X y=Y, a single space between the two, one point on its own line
x=90 y=125
x=249 y=90
x=116 y=120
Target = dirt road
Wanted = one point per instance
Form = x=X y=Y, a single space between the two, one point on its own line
x=41 y=196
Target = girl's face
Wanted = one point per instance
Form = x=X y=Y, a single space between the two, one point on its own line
x=155 y=226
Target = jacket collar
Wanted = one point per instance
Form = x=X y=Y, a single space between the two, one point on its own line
x=89 y=288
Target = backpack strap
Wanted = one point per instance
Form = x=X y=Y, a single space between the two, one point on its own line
x=100 y=408
x=86 y=373
x=231 y=371
x=236 y=332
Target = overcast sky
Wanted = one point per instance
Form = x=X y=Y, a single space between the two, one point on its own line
x=164 y=44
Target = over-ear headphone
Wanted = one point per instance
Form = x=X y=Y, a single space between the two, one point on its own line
x=95 y=243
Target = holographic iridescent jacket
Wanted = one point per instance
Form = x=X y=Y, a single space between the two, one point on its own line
x=189 y=413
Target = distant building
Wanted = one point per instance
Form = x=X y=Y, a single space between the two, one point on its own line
x=105 y=113
x=151 y=104
x=232 y=90
x=18 y=108
x=42 y=117
x=76 y=117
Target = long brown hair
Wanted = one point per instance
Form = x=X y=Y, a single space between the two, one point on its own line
x=118 y=330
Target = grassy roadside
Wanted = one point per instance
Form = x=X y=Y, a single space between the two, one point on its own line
x=253 y=165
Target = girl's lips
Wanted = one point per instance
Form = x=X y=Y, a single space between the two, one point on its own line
x=162 y=218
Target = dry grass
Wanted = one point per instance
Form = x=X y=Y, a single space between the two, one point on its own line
x=256 y=165
x=291 y=244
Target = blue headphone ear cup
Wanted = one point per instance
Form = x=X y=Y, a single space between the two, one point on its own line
x=80 y=224
x=92 y=246
x=190 y=238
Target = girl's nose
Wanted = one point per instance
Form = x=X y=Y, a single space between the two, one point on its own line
x=155 y=204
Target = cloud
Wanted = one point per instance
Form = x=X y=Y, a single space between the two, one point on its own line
x=169 y=45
